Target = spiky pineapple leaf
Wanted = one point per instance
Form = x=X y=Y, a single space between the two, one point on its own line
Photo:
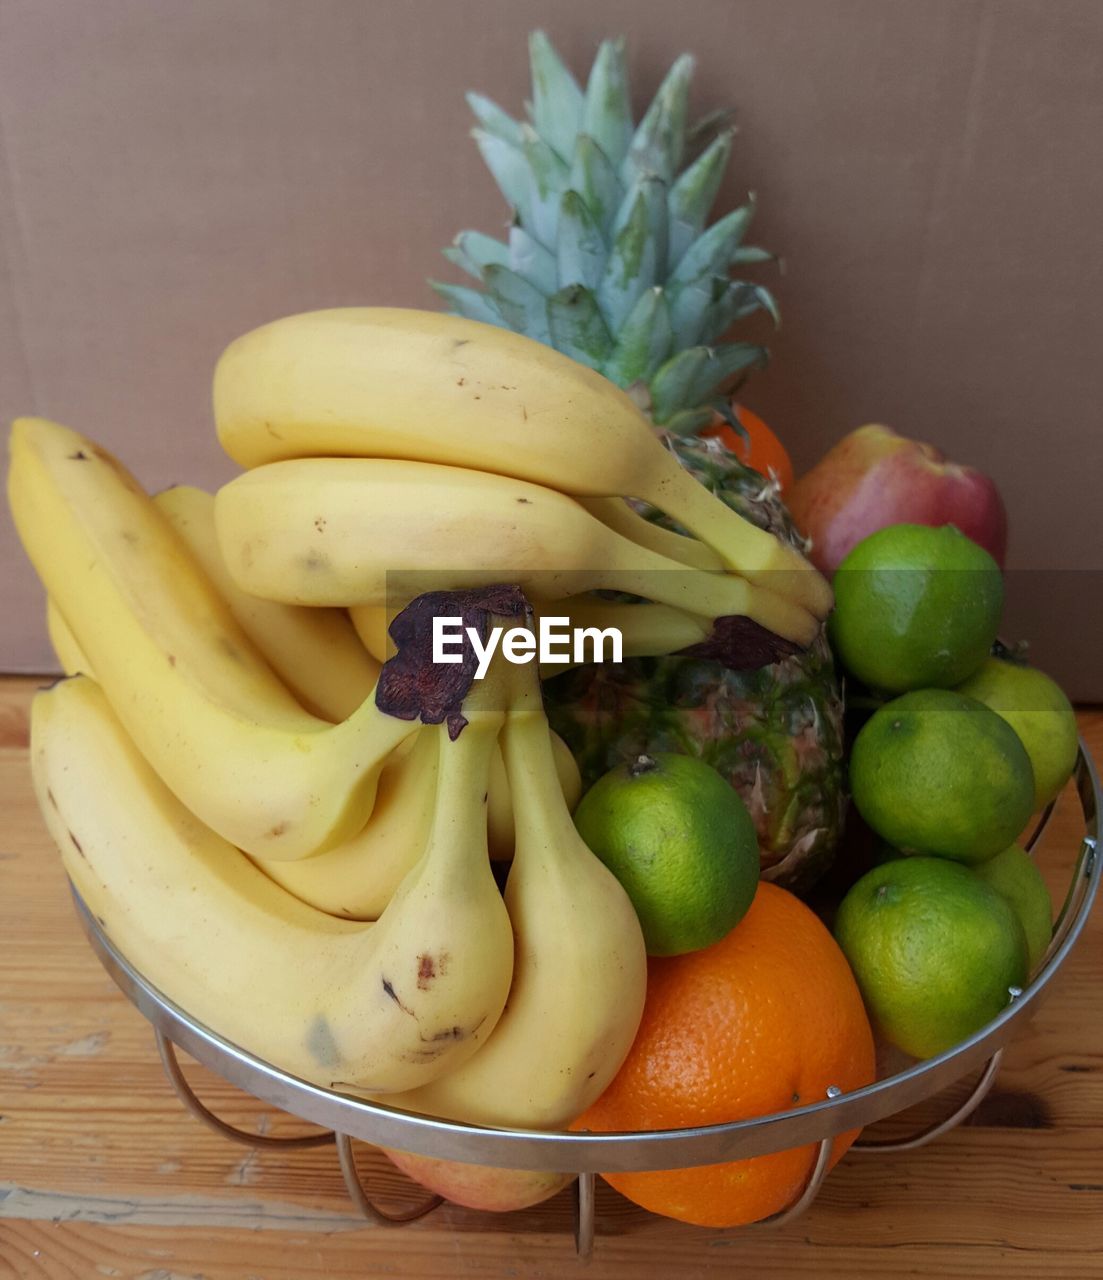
x=738 y=300
x=610 y=257
x=594 y=178
x=722 y=364
x=690 y=305
x=467 y=302
x=643 y=342
x=708 y=127
x=711 y=254
x=522 y=306
x=510 y=170
x=607 y=110
x=556 y=97
x=670 y=386
x=692 y=195
x=638 y=253
x=580 y=247
x=493 y=119
x=471 y=251
x=549 y=176
x=689 y=421
x=530 y=259
x=656 y=146
x=577 y=327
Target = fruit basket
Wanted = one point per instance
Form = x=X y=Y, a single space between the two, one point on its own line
x=344 y=1118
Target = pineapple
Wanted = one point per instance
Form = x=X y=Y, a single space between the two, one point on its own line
x=609 y=259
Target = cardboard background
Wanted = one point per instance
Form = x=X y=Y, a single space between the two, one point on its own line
x=174 y=172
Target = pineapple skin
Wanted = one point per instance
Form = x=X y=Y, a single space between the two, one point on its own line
x=776 y=733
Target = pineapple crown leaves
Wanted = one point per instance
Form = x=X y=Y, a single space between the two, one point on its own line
x=608 y=257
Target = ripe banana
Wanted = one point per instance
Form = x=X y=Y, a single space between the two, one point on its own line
x=358 y=878
x=580 y=969
x=500 y=819
x=202 y=705
x=385 y=1007
x=420 y=385
x=316 y=652
x=354 y=531
x=622 y=519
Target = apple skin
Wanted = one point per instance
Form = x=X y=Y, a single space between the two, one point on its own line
x=874 y=477
x=477 y=1186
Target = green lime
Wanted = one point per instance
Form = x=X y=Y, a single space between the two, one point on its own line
x=680 y=841
x=936 y=772
x=915 y=607
x=1014 y=876
x=1034 y=706
x=934 y=949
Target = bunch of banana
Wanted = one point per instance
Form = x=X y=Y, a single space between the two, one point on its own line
x=580 y=967
x=393 y=450
x=384 y=1007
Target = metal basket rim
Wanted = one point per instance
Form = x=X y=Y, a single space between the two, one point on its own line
x=617 y=1152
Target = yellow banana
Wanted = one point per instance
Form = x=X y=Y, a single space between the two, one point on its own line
x=580 y=969
x=202 y=705
x=358 y=878
x=420 y=385
x=354 y=531
x=316 y=652
x=620 y=517
x=371 y=623
x=500 y=818
x=386 y=1006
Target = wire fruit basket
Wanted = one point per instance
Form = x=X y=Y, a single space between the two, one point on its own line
x=344 y=1118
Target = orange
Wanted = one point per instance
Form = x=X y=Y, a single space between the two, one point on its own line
x=762 y=1021
x=754 y=444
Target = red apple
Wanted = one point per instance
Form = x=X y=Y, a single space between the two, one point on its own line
x=874 y=477
x=479 y=1186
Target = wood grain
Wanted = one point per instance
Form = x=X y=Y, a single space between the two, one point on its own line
x=102 y=1173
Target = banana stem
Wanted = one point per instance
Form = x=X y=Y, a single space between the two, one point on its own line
x=616 y=514
x=758 y=556
x=530 y=762
x=709 y=595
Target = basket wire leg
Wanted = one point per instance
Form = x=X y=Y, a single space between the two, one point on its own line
x=584 y=1216
x=815 y=1180
x=167 y=1052
x=976 y=1096
x=360 y=1198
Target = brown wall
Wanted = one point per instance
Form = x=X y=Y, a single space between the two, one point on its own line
x=172 y=174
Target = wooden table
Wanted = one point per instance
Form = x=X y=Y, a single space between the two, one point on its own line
x=103 y=1174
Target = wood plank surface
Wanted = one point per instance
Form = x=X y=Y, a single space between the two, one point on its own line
x=103 y=1174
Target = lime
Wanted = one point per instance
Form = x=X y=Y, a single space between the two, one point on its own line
x=936 y=772
x=1034 y=706
x=915 y=607
x=934 y=949
x=1014 y=876
x=680 y=841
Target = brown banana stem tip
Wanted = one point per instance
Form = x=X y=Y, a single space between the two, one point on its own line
x=410 y=684
x=741 y=644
